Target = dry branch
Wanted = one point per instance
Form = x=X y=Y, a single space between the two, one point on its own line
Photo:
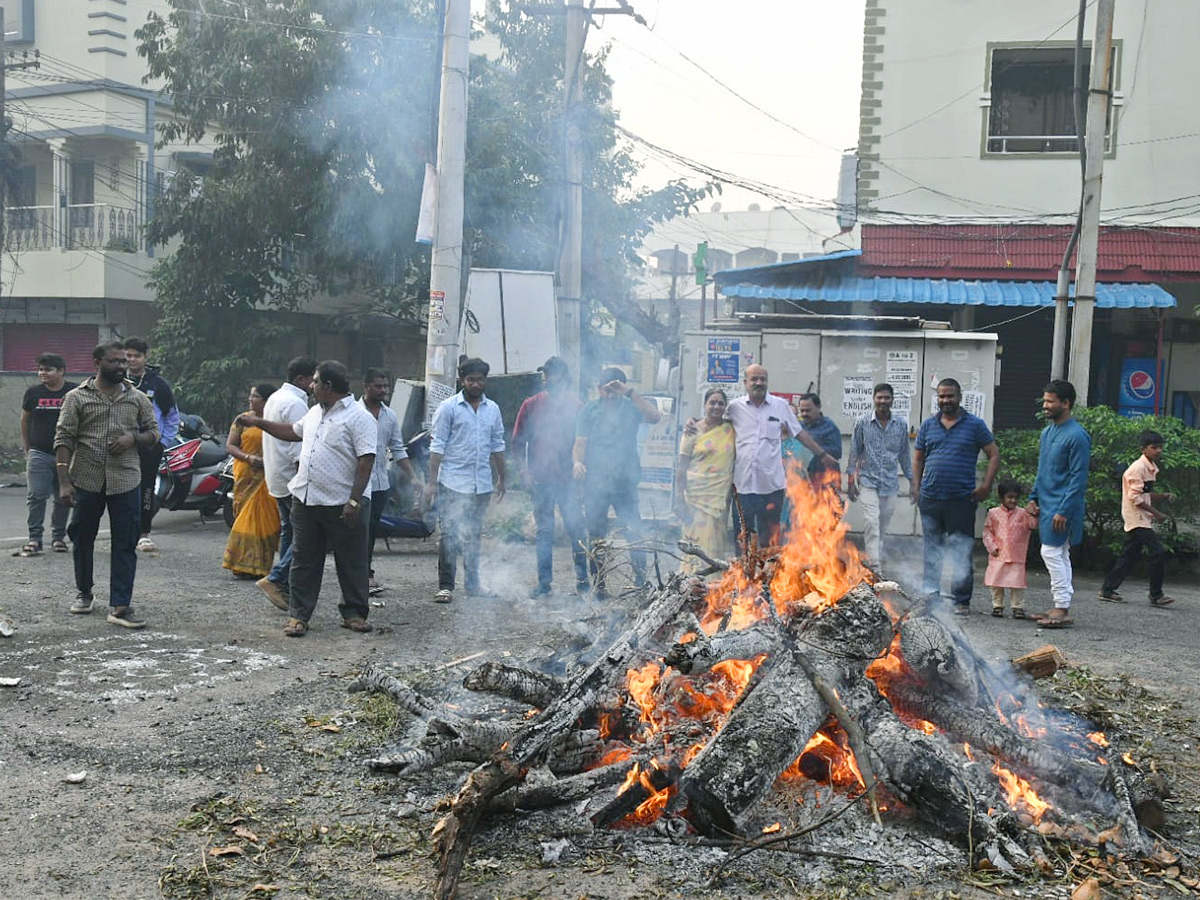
x=524 y=686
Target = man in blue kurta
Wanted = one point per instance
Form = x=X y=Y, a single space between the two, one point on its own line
x=1058 y=495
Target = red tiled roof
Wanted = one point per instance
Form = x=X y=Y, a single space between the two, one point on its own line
x=1017 y=251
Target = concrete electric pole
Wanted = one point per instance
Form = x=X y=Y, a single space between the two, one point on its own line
x=1099 y=105
x=445 y=268
x=570 y=263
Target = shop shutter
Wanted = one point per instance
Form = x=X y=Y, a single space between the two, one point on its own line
x=23 y=344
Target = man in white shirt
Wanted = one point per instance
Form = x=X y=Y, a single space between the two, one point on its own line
x=374 y=400
x=466 y=470
x=759 y=420
x=280 y=459
x=337 y=454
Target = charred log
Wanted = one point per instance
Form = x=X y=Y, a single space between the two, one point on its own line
x=524 y=686
x=406 y=696
x=771 y=724
x=700 y=654
x=548 y=793
x=652 y=780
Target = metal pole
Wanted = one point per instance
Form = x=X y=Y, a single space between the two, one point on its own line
x=445 y=268
x=1099 y=100
x=570 y=264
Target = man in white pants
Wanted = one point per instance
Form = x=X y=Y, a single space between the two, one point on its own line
x=878 y=447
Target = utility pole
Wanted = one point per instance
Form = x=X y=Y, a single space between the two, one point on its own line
x=445 y=267
x=1099 y=103
x=570 y=263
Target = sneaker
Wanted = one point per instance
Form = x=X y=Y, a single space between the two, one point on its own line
x=1110 y=596
x=83 y=604
x=125 y=617
x=277 y=597
x=540 y=590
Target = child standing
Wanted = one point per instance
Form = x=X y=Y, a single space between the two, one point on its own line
x=1006 y=537
x=1137 y=509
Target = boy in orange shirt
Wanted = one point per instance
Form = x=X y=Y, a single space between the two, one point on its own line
x=1137 y=509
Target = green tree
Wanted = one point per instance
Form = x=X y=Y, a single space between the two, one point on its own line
x=321 y=115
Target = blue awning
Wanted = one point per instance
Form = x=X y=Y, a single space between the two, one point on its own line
x=852 y=289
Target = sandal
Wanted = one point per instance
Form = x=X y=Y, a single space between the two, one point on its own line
x=443 y=596
x=1018 y=614
x=58 y=545
x=31 y=548
x=295 y=628
x=145 y=545
x=1048 y=621
x=361 y=626
x=998 y=612
x=1161 y=601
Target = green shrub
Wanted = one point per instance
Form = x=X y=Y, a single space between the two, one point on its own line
x=1116 y=442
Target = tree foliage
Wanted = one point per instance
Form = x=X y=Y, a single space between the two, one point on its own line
x=320 y=115
x=1116 y=442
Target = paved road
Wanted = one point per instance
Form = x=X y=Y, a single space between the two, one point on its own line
x=193 y=704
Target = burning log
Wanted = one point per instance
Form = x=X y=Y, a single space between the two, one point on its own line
x=523 y=685
x=702 y=652
x=772 y=723
x=549 y=792
x=642 y=784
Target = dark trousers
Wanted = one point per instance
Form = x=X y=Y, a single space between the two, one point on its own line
x=378 y=501
x=761 y=513
x=566 y=497
x=315 y=531
x=623 y=499
x=949 y=531
x=460 y=531
x=1156 y=560
x=124 y=520
x=150 y=459
x=280 y=573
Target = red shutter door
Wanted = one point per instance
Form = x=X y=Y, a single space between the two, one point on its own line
x=23 y=344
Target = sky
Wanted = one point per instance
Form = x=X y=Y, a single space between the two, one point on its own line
x=800 y=61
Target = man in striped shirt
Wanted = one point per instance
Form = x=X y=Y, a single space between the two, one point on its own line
x=878 y=447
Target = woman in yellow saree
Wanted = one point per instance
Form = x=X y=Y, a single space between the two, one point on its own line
x=703 y=478
x=254 y=536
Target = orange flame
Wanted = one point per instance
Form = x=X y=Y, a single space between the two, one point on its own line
x=1019 y=793
x=1128 y=759
x=825 y=753
x=1098 y=738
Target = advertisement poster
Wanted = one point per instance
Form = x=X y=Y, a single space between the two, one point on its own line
x=724 y=362
x=1139 y=387
x=858 y=396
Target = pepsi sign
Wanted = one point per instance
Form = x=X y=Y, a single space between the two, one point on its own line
x=1139 y=383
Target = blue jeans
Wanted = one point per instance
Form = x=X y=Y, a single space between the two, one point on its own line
x=41 y=474
x=623 y=499
x=280 y=571
x=566 y=498
x=949 y=529
x=124 y=524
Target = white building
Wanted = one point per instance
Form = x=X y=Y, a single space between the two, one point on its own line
x=84 y=174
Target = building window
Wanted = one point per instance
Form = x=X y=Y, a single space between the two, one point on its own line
x=1031 y=100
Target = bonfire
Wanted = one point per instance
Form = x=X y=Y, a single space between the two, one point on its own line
x=793 y=665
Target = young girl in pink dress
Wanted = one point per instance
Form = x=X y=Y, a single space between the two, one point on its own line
x=1006 y=537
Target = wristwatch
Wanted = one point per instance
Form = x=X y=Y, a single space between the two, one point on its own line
x=353 y=503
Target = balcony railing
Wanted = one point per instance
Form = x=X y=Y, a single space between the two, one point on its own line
x=85 y=226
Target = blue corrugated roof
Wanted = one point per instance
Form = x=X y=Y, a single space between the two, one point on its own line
x=846 y=289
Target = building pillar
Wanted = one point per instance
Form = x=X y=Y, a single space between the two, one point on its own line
x=60 y=163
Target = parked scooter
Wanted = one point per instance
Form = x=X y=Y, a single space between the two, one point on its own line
x=190 y=472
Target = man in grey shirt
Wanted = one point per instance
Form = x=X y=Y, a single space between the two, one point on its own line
x=878 y=447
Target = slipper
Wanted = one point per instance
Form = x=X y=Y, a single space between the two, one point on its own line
x=31 y=548
x=1110 y=597
x=1161 y=601
x=1064 y=622
x=295 y=628
x=58 y=545
x=361 y=626
x=443 y=596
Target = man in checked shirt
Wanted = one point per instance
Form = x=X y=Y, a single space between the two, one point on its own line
x=102 y=425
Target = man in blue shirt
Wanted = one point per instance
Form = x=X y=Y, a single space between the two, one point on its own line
x=824 y=431
x=946 y=451
x=467 y=450
x=1059 y=494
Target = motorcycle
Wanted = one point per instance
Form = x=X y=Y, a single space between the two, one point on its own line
x=189 y=476
x=403 y=516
